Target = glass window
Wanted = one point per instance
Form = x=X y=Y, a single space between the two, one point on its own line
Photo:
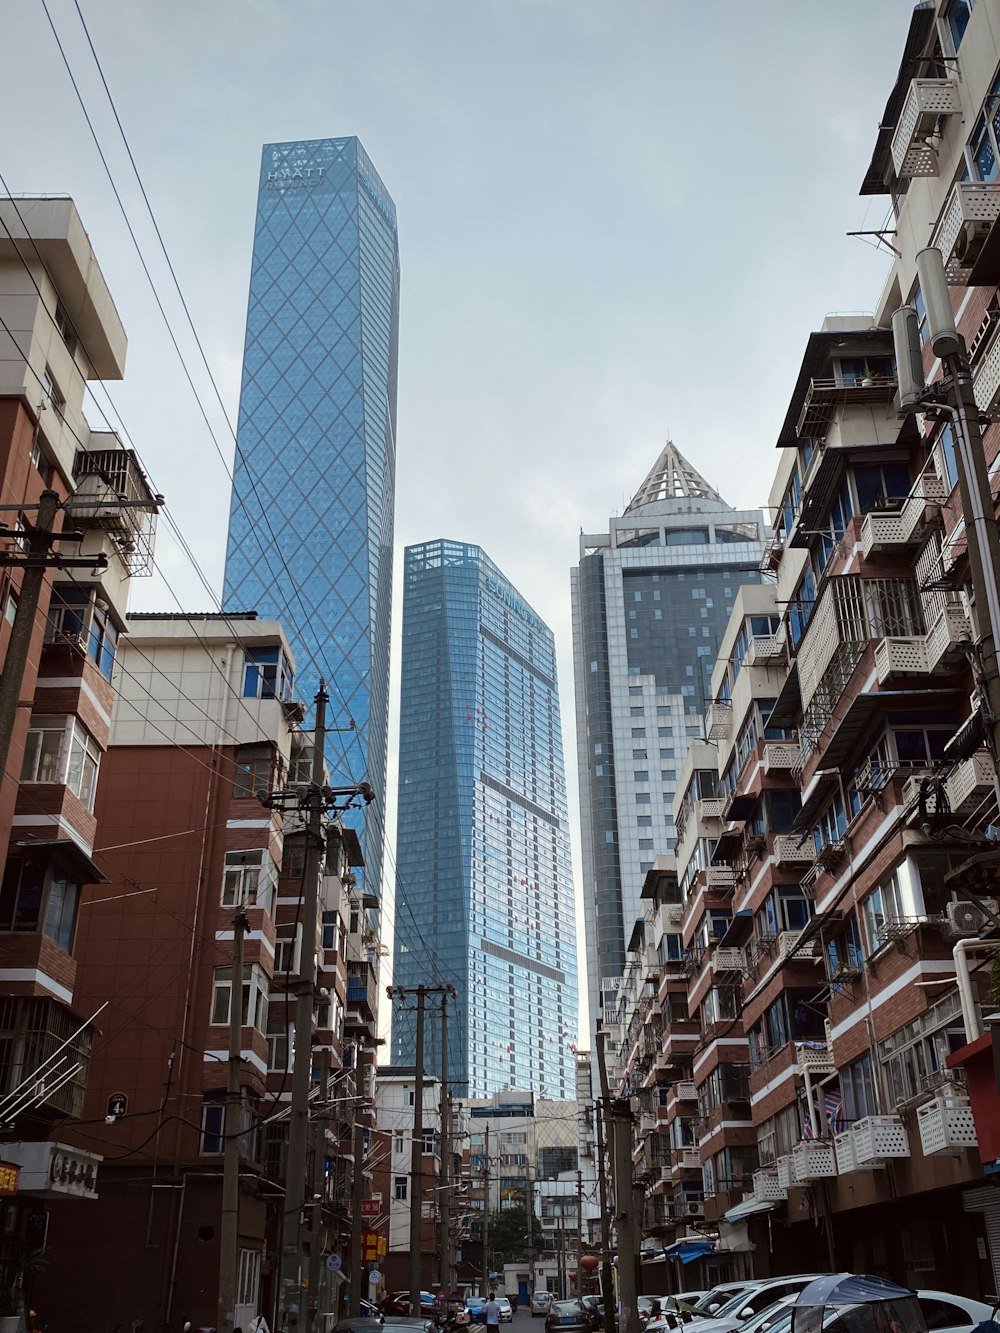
x=255 y=995
x=266 y=674
x=957 y=16
x=61 y=750
x=253 y=771
x=247 y=879
x=43 y=749
x=22 y=894
x=400 y=1187
x=60 y=911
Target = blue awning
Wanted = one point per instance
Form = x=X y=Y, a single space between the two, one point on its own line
x=687 y=1251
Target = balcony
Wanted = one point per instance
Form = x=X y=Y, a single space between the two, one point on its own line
x=947 y=1127
x=720 y=877
x=687 y=1159
x=970 y=782
x=34 y=1054
x=926 y=101
x=719 y=719
x=922 y=655
x=986 y=377
x=362 y=989
x=825 y=395
x=968 y=216
x=789 y=947
x=727 y=960
x=781 y=757
x=895 y=528
x=685 y=1090
x=710 y=807
x=647 y=1123
x=112 y=494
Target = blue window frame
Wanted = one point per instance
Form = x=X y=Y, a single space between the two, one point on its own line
x=266 y=674
x=957 y=17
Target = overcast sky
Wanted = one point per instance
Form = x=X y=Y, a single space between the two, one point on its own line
x=618 y=221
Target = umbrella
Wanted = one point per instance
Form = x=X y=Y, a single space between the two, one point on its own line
x=850 y=1289
x=856 y=1303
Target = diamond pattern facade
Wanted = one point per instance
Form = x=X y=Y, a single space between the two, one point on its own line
x=311 y=520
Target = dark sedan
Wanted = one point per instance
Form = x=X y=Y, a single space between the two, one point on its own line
x=568 y=1317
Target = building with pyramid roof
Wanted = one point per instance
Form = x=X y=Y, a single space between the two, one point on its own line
x=651 y=598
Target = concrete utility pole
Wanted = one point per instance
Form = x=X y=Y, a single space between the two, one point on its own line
x=486 y=1217
x=619 y=1116
x=229 y=1229
x=357 y=1198
x=36 y=562
x=607 y=1272
x=444 y=1194
x=579 y=1231
x=320 y=1118
x=417 y=1144
x=318 y=801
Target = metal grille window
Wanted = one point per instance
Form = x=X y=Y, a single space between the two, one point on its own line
x=31 y=1032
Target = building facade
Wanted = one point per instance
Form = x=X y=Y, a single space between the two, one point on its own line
x=61 y=333
x=650 y=598
x=484 y=876
x=311 y=520
x=203 y=721
x=805 y=1037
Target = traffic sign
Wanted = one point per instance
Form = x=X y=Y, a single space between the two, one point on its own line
x=334 y=1263
x=374 y=1276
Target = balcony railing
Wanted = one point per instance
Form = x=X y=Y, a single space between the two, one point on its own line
x=719 y=719
x=970 y=212
x=926 y=100
x=893 y=529
x=825 y=395
x=781 y=756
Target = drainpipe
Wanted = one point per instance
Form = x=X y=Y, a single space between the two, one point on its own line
x=966 y=993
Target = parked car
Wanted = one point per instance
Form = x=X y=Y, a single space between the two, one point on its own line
x=407 y=1324
x=752 y=1300
x=475 y=1306
x=649 y=1305
x=691 y=1298
x=359 y=1325
x=540 y=1302
x=568 y=1317
x=506 y=1310
x=943 y=1312
x=714 y=1299
x=595 y=1309
x=399 y=1304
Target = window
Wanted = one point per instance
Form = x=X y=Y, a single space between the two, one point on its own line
x=255 y=991
x=883 y=906
x=278 y=1042
x=331 y=922
x=638 y=733
x=213 y=1122
x=287 y=948
x=635 y=691
x=920 y=1049
x=39 y=895
x=10 y=606
x=642 y=798
x=266 y=674
x=248 y=1278
x=640 y=774
x=247 y=881
x=636 y=710
x=409 y=1097
x=61 y=749
x=65 y=327
x=957 y=17
x=253 y=770
x=400 y=1188
x=857 y=1089
x=53 y=393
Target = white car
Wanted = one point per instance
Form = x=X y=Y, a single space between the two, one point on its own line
x=943 y=1312
x=751 y=1301
x=506 y=1310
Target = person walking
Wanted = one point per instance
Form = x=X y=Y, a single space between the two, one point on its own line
x=491 y=1312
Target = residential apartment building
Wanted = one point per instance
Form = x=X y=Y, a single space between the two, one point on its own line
x=650 y=598
x=311 y=521
x=484 y=893
x=61 y=332
x=204 y=723
x=830 y=977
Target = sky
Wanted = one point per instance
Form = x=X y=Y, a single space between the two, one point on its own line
x=619 y=220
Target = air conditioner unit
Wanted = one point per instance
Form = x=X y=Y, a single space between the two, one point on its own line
x=831 y=854
x=969 y=242
x=965 y=919
x=695 y=1209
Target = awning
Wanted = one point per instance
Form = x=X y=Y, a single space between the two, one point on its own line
x=729 y=843
x=788 y=704
x=865 y=708
x=741 y=807
x=72 y=853
x=921 y=22
x=815 y=801
x=688 y=1250
x=747 y=1208
x=739 y=930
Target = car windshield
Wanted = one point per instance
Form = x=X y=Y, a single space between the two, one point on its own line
x=735 y=1303
x=566 y=1307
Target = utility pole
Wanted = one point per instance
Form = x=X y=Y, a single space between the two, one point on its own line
x=36 y=562
x=620 y=1131
x=318 y=1187
x=357 y=1197
x=579 y=1231
x=607 y=1272
x=486 y=1217
x=417 y=1143
x=444 y=1208
x=229 y=1229
x=319 y=800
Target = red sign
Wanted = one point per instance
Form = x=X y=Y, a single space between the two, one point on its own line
x=371 y=1207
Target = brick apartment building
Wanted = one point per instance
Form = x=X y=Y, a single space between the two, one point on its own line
x=801 y=1019
x=59 y=331
x=204 y=722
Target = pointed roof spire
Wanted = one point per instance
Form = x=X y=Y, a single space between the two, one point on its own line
x=672 y=477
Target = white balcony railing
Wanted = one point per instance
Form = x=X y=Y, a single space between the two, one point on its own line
x=879 y=1137
x=727 y=960
x=710 y=807
x=781 y=756
x=970 y=212
x=766 y=1187
x=789 y=849
x=814 y=1159
x=892 y=529
x=719 y=720
x=816 y=1058
x=947 y=1127
x=970 y=782
x=765 y=649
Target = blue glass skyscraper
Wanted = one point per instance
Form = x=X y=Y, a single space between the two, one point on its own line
x=484 y=897
x=311 y=521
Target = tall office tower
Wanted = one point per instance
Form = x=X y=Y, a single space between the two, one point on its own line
x=651 y=598
x=311 y=520
x=484 y=898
